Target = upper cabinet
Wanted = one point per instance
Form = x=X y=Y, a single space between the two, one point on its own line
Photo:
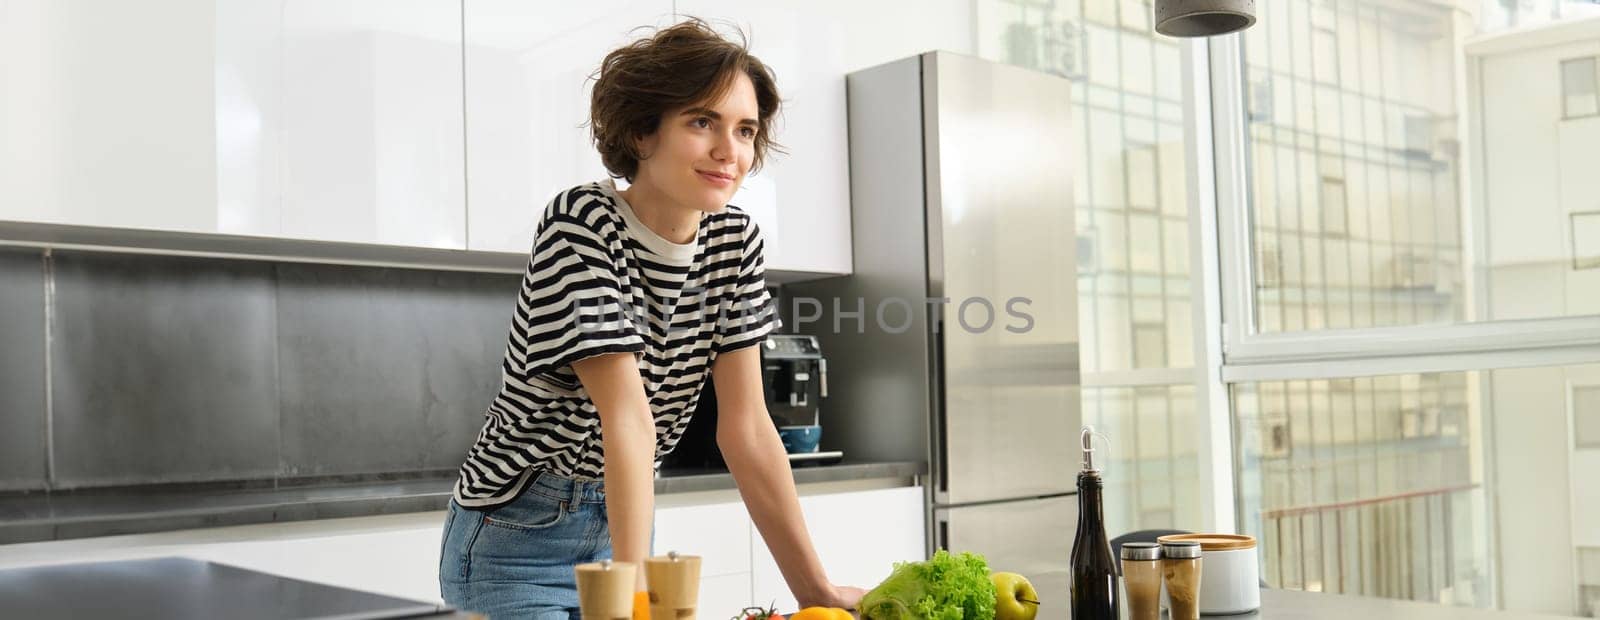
x=527 y=99
x=810 y=46
x=425 y=123
x=106 y=113
x=528 y=70
x=371 y=121
x=336 y=120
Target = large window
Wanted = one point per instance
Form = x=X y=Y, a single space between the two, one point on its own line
x=1356 y=206
x=1133 y=221
x=1408 y=242
x=1407 y=168
x=1412 y=295
x=1150 y=475
x=1370 y=485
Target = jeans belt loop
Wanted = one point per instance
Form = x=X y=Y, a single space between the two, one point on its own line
x=577 y=495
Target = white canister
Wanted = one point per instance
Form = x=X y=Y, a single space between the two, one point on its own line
x=1230 y=580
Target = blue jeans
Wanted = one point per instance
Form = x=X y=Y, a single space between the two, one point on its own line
x=516 y=560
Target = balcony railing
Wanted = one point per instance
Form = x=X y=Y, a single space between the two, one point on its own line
x=1405 y=545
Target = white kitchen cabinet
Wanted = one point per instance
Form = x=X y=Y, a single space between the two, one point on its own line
x=724 y=595
x=106 y=113
x=810 y=46
x=720 y=534
x=312 y=119
x=371 y=122
x=527 y=99
x=431 y=123
x=858 y=535
x=249 y=106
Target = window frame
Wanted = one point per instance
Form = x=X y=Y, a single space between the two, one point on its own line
x=1252 y=355
x=1245 y=354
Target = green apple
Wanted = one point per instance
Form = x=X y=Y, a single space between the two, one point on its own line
x=1014 y=597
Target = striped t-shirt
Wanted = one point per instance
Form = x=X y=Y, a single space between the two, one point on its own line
x=599 y=281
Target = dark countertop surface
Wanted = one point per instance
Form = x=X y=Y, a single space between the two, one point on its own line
x=60 y=515
x=181 y=588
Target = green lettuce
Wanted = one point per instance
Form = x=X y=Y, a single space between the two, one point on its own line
x=947 y=587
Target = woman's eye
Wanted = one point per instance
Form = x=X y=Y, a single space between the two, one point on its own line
x=748 y=132
x=702 y=122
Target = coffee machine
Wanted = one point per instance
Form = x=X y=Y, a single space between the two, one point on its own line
x=794 y=379
x=794 y=376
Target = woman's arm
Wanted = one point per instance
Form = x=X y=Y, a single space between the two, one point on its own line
x=628 y=432
x=756 y=458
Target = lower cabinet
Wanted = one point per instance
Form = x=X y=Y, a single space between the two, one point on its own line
x=718 y=533
x=859 y=535
x=723 y=596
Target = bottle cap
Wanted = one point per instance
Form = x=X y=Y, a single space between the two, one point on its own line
x=1141 y=551
x=1087 y=441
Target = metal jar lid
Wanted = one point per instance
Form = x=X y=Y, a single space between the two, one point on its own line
x=1180 y=549
x=1141 y=551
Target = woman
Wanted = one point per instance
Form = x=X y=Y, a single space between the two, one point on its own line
x=630 y=299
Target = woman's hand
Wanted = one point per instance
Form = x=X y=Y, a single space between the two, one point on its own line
x=843 y=597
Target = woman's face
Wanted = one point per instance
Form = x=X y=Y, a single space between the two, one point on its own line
x=700 y=154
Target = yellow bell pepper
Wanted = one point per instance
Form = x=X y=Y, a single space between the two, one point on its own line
x=822 y=613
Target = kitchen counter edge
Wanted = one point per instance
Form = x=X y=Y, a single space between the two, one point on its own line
x=44 y=516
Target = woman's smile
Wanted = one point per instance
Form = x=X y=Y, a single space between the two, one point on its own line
x=716 y=179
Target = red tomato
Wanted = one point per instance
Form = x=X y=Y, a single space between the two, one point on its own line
x=759 y=613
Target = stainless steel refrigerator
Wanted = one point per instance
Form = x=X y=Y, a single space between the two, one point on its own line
x=961 y=189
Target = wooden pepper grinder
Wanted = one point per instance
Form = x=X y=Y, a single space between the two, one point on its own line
x=674 y=585
x=605 y=590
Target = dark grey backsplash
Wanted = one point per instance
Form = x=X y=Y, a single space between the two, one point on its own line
x=170 y=369
x=384 y=370
x=22 y=429
x=162 y=370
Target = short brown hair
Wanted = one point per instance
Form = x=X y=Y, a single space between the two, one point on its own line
x=682 y=65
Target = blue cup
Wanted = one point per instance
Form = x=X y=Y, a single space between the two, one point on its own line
x=800 y=439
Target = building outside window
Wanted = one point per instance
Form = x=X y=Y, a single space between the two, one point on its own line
x=1578 y=89
x=1133 y=217
x=1412 y=185
x=1412 y=219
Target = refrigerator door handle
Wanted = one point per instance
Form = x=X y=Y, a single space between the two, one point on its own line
x=940 y=444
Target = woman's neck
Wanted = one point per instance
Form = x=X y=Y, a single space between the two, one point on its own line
x=658 y=212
